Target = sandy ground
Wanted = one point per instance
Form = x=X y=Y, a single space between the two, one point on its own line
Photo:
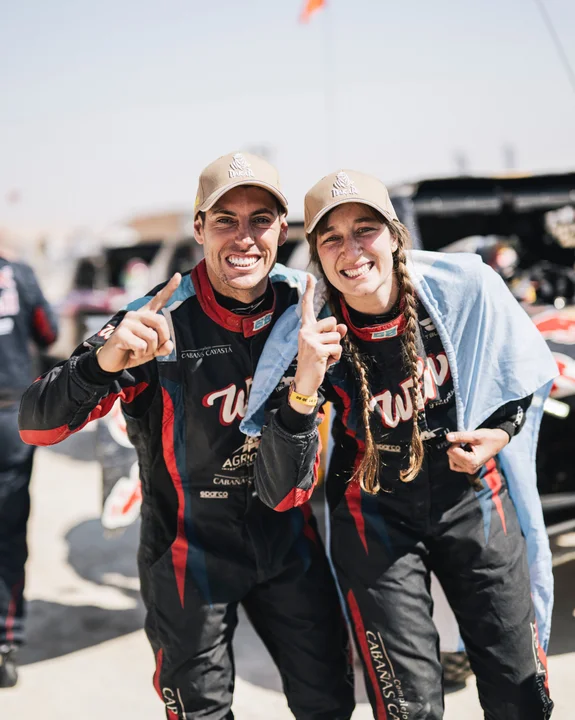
x=87 y=656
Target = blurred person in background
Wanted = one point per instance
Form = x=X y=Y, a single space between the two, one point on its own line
x=181 y=360
x=433 y=343
x=25 y=319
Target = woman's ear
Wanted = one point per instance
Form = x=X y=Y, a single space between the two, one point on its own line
x=394 y=238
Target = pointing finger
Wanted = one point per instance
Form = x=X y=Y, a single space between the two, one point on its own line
x=307 y=311
x=162 y=297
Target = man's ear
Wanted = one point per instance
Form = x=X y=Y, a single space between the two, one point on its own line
x=283 y=229
x=199 y=230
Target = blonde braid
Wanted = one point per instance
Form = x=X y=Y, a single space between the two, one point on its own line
x=406 y=290
x=367 y=471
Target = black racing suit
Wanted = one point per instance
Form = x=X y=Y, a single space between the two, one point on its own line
x=384 y=546
x=207 y=541
x=25 y=317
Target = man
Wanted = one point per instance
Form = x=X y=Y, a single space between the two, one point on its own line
x=207 y=542
x=24 y=317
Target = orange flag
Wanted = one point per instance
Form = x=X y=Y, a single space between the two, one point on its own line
x=311 y=6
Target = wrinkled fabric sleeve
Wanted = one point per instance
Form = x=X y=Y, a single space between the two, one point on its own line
x=287 y=463
x=77 y=391
x=509 y=417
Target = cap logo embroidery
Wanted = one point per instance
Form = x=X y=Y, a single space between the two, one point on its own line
x=343 y=185
x=240 y=167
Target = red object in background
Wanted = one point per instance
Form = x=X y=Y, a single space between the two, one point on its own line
x=557 y=326
x=564 y=384
x=311 y=6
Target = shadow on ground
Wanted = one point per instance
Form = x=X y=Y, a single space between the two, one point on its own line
x=56 y=629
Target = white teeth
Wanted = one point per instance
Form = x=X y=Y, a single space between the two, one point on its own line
x=363 y=270
x=242 y=260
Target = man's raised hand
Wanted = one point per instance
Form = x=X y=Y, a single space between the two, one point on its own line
x=319 y=344
x=142 y=334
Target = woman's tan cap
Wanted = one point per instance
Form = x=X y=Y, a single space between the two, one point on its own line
x=345 y=186
x=232 y=170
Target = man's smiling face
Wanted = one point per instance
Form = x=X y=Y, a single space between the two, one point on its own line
x=241 y=234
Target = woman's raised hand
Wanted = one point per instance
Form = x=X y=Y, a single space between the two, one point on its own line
x=319 y=344
x=142 y=335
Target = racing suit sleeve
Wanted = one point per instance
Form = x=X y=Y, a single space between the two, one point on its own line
x=287 y=462
x=43 y=324
x=76 y=391
x=509 y=417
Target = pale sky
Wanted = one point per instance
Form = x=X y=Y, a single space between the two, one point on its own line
x=113 y=107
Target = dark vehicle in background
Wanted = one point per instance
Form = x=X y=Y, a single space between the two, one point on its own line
x=524 y=227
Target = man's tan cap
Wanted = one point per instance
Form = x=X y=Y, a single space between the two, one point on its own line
x=232 y=170
x=345 y=186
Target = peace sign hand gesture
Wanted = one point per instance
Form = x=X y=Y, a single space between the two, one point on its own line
x=142 y=334
x=319 y=345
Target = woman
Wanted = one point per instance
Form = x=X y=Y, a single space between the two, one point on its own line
x=407 y=494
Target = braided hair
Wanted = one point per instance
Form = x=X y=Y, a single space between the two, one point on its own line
x=367 y=471
x=410 y=355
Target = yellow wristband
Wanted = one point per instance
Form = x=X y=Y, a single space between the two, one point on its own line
x=310 y=400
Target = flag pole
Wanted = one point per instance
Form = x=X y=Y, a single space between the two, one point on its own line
x=330 y=130
x=329 y=89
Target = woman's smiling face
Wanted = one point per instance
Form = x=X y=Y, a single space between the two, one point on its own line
x=355 y=248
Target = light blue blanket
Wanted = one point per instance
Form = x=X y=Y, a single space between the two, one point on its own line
x=496 y=355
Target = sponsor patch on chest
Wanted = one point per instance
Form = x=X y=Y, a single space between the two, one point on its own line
x=396 y=407
x=214 y=494
x=200 y=353
x=233 y=401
